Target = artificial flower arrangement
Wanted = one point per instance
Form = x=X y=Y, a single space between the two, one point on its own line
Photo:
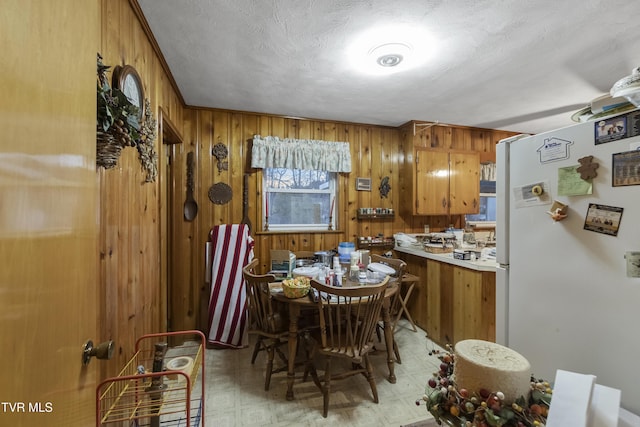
x=116 y=114
x=118 y=126
x=459 y=407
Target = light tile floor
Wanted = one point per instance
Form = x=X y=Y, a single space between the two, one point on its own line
x=235 y=394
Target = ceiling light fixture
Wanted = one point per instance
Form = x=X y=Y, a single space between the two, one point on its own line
x=390 y=54
x=389 y=50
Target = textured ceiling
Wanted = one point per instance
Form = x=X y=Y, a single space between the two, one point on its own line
x=524 y=66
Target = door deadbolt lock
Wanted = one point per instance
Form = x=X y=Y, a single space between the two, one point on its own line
x=103 y=351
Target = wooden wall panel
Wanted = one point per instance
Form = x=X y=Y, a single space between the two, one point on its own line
x=132 y=213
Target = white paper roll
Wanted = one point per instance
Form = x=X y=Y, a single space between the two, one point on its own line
x=182 y=364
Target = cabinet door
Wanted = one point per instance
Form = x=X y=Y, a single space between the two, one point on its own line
x=464 y=183
x=473 y=305
x=432 y=183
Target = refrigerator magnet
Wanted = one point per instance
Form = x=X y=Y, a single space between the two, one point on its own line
x=633 y=264
x=554 y=149
x=609 y=130
x=626 y=168
x=603 y=219
x=534 y=194
x=559 y=211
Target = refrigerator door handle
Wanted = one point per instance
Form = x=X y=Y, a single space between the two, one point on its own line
x=502 y=304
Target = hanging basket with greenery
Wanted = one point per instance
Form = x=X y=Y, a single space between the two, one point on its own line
x=117 y=123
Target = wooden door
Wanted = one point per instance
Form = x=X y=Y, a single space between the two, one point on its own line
x=464 y=183
x=431 y=182
x=48 y=215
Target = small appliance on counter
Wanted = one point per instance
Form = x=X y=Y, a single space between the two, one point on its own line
x=462 y=254
x=325 y=257
x=467 y=254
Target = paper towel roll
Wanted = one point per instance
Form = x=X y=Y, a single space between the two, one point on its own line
x=182 y=364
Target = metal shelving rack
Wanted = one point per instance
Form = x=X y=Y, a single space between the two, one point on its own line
x=139 y=397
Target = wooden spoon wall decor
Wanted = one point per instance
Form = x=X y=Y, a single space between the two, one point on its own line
x=190 y=205
x=245 y=202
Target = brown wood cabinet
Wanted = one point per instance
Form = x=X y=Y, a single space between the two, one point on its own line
x=452 y=303
x=445 y=182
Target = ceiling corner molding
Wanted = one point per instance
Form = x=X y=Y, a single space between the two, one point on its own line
x=154 y=44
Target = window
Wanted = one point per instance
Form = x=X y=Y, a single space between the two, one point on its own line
x=487 y=214
x=296 y=199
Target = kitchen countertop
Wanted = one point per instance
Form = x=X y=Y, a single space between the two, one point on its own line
x=478 y=265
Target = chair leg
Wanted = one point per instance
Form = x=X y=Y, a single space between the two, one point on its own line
x=371 y=378
x=396 y=351
x=256 y=349
x=326 y=389
x=314 y=374
x=308 y=362
x=267 y=380
x=281 y=355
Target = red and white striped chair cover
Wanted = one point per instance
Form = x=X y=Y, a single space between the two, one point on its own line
x=231 y=249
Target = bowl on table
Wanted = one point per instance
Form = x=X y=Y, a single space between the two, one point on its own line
x=296 y=287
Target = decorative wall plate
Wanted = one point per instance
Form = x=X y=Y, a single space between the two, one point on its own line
x=220 y=193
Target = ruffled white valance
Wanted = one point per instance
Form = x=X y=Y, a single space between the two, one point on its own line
x=488 y=172
x=311 y=154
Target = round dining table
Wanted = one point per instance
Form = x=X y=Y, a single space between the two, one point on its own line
x=296 y=305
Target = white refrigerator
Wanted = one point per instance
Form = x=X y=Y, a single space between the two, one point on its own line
x=568 y=291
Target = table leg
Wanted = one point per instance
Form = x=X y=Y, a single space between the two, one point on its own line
x=294 y=313
x=388 y=339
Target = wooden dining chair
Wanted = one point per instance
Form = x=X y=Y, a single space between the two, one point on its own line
x=268 y=325
x=400 y=267
x=348 y=318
